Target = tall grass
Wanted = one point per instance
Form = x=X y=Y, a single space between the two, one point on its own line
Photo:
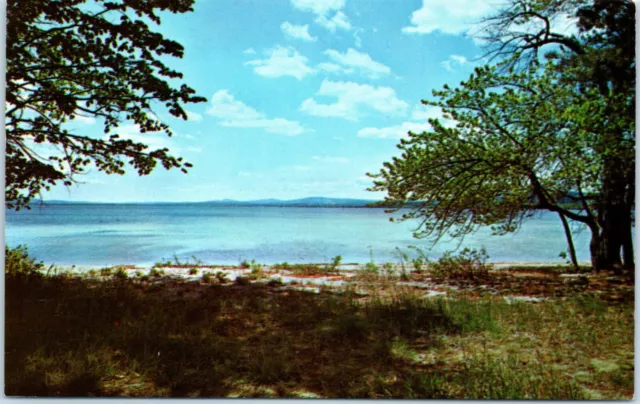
x=107 y=336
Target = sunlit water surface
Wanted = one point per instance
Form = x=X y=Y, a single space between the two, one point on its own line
x=97 y=234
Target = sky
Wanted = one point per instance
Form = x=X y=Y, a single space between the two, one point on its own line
x=304 y=97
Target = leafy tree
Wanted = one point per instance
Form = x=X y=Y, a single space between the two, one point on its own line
x=522 y=142
x=68 y=59
x=600 y=55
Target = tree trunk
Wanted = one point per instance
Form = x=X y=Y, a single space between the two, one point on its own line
x=567 y=233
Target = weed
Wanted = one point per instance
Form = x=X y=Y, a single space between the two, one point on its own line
x=275 y=282
x=120 y=273
x=335 y=262
x=243 y=281
x=156 y=273
x=245 y=264
x=222 y=277
x=469 y=263
x=193 y=271
x=17 y=261
x=206 y=277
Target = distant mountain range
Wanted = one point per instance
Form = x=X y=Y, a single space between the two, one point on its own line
x=304 y=202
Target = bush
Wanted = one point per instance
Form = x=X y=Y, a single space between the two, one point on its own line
x=193 y=271
x=335 y=262
x=121 y=273
x=243 y=281
x=471 y=264
x=222 y=277
x=17 y=261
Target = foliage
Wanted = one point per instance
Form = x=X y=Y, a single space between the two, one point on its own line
x=600 y=61
x=514 y=149
x=18 y=261
x=468 y=263
x=335 y=262
x=69 y=60
x=222 y=277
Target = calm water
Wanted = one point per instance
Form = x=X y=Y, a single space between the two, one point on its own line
x=144 y=234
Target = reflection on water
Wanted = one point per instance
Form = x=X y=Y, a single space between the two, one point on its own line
x=143 y=234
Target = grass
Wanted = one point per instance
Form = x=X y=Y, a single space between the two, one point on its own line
x=112 y=336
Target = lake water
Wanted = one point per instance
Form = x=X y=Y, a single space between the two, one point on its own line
x=96 y=234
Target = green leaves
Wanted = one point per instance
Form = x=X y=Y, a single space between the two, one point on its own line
x=68 y=58
x=513 y=150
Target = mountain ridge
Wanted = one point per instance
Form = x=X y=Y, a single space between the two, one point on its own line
x=312 y=201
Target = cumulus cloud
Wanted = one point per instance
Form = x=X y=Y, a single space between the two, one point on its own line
x=420 y=116
x=249 y=51
x=281 y=61
x=394 y=132
x=454 y=61
x=328 y=12
x=353 y=60
x=448 y=16
x=234 y=113
x=194 y=116
x=338 y=21
x=297 y=31
x=352 y=98
x=320 y=7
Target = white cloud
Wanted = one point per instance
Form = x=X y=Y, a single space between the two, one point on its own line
x=351 y=98
x=459 y=59
x=297 y=31
x=332 y=68
x=194 y=116
x=234 y=113
x=86 y=120
x=249 y=51
x=454 y=61
x=225 y=106
x=448 y=16
x=282 y=61
x=320 y=7
x=155 y=140
x=394 y=132
x=331 y=160
x=323 y=10
x=339 y=20
x=420 y=116
x=357 y=39
x=360 y=61
x=424 y=113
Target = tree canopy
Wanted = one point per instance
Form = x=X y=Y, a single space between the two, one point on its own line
x=68 y=59
x=531 y=134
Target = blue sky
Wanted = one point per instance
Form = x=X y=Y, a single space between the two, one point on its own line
x=304 y=96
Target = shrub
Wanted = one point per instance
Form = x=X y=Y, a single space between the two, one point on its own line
x=193 y=271
x=245 y=264
x=106 y=272
x=469 y=263
x=206 y=277
x=121 y=273
x=335 y=262
x=242 y=281
x=222 y=277
x=17 y=261
x=156 y=273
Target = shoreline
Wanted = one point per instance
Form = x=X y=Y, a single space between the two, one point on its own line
x=498 y=265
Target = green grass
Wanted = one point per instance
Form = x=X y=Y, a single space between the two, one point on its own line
x=69 y=336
